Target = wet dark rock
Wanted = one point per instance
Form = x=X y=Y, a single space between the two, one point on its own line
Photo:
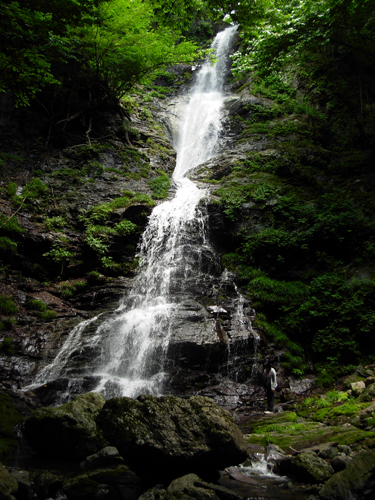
x=166 y=436
x=340 y=462
x=47 y=484
x=68 y=432
x=25 y=487
x=328 y=450
x=278 y=460
x=51 y=392
x=108 y=456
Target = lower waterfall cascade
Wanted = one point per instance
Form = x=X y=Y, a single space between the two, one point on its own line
x=130 y=347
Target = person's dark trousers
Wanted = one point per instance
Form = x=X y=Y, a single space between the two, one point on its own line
x=270 y=399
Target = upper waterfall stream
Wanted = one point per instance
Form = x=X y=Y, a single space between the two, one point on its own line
x=134 y=339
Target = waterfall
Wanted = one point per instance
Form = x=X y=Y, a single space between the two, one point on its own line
x=201 y=124
x=134 y=340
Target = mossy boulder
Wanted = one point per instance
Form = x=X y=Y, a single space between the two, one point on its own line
x=8 y=485
x=356 y=482
x=308 y=466
x=365 y=418
x=69 y=431
x=190 y=487
x=46 y=484
x=368 y=394
x=168 y=436
x=114 y=483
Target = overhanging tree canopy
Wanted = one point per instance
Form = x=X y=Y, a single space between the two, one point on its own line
x=116 y=42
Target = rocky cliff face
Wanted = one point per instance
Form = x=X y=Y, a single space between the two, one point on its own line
x=74 y=217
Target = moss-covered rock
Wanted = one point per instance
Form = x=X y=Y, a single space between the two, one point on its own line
x=170 y=435
x=365 y=418
x=356 y=482
x=190 y=487
x=186 y=487
x=308 y=466
x=69 y=431
x=368 y=394
x=114 y=483
x=8 y=485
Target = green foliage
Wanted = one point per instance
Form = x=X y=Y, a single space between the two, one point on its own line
x=11 y=189
x=333 y=396
x=98 y=227
x=160 y=186
x=40 y=309
x=6 y=324
x=48 y=315
x=35 y=189
x=70 y=289
x=318 y=44
x=59 y=254
x=97 y=244
x=95 y=229
x=125 y=227
x=55 y=223
x=11 y=224
x=36 y=305
x=7 y=346
x=6 y=244
x=293 y=361
x=108 y=263
x=264 y=192
x=232 y=199
x=340 y=317
x=7 y=305
x=265 y=289
x=95 y=278
x=122 y=45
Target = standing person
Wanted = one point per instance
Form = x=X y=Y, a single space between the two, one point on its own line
x=271 y=384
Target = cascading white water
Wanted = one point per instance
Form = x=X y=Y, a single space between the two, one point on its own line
x=136 y=337
x=201 y=123
x=133 y=358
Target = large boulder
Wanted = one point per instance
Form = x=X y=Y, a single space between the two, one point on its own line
x=69 y=431
x=169 y=436
x=190 y=487
x=8 y=485
x=308 y=466
x=356 y=482
x=112 y=483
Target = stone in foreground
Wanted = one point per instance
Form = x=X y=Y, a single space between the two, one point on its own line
x=171 y=436
x=69 y=431
x=309 y=467
x=356 y=482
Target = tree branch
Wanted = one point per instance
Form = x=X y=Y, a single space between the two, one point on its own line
x=15 y=213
